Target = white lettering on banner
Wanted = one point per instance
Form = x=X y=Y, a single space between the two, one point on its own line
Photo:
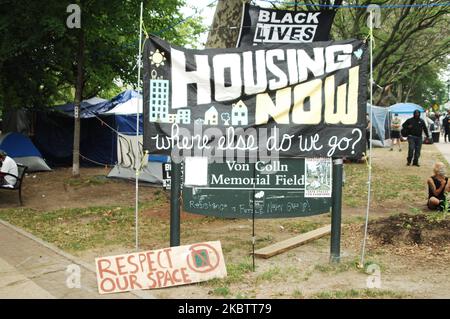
x=299 y=17
x=347 y=107
x=260 y=85
x=239 y=140
x=264 y=16
x=316 y=65
x=342 y=61
x=311 y=90
x=326 y=60
x=281 y=78
x=181 y=78
x=347 y=97
x=276 y=33
x=232 y=90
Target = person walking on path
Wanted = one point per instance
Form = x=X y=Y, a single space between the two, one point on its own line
x=396 y=126
x=414 y=127
x=446 y=126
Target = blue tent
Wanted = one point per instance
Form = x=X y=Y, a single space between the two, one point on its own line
x=22 y=150
x=402 y=108
x=98 y=140
x=108 y=131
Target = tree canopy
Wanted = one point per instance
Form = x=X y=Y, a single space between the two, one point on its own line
x=38 y=52
x=412 y=45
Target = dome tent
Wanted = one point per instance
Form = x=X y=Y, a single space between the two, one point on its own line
x=22 y=150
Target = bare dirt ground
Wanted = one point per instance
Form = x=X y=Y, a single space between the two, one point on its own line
x=411 y=265
x=57 y=189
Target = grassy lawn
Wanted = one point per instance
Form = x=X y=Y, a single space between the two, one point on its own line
x=78 y=229
x=396 y=188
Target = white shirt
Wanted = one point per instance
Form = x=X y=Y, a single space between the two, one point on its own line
x=9 y=166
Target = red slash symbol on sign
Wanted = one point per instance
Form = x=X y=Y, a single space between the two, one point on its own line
x=201 y=257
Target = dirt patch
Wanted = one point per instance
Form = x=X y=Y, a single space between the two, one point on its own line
x=47 y=191
x=411 y=229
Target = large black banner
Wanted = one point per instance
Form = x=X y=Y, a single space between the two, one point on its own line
x=263 y=25
x=291 y=100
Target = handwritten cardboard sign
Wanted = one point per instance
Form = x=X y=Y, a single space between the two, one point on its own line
x=160 y=268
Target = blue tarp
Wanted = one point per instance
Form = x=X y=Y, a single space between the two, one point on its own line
x=98 y=141
x=88 y=110
x=126 y=124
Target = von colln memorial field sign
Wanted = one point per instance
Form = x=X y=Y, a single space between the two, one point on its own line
x=277 y=189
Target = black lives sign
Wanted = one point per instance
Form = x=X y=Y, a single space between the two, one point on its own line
x=261 y=25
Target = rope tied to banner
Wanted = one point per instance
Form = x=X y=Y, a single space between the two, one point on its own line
x=359 y=6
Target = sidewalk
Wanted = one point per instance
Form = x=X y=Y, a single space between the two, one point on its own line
x=444 y=148
x=31 y=268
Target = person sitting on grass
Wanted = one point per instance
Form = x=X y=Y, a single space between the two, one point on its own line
x=437 y=187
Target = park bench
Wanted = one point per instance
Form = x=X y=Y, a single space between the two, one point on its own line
x=18 y=186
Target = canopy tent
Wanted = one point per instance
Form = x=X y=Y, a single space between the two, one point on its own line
x=382 y=116
x=108 y=136
x=405 y=108
x=22 y=150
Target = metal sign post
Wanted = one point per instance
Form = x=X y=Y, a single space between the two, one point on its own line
x=175 y=194
x=336 y=211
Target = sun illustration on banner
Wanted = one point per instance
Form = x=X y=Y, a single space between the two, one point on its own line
x=157 y=58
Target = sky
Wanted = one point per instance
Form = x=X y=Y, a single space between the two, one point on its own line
x=206 y=12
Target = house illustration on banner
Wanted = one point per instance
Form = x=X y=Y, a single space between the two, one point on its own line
x=159 y=101
x=211 y=116
x=239 y=114
x=183 y=116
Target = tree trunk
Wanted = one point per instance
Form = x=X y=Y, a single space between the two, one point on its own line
x=400 y=92
x=225 y=28
x=78 y=97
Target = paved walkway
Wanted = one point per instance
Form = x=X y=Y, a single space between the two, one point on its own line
x=444 y=148
x=31 y=268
